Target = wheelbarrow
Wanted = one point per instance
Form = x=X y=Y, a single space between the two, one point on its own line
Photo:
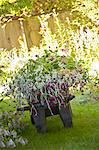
x=39 y=112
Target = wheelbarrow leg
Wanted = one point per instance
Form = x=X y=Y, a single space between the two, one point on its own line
x=32 y=119
x=39 y=119
x=66 y=116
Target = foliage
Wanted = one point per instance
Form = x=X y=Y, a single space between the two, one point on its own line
x=11 y=122
x=11 y=126
x=69 y=55
x=76 y=46
x=80 y=45
x=81 y=12
x=28 y=71
x=86 y=12
x=31 y=7
x=36 y=76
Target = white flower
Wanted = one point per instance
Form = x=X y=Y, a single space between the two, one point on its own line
x=10 y=125
x=21 y=141
x=5 y=132
x=1 y=137
x=26 y=141
x=6 y=113
x=10 y=143
x=14 y=134
x=2 y=145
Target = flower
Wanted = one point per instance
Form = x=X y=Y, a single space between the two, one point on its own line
x=10 y=143
x=2 y=145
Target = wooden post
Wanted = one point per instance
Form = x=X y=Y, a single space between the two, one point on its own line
x=23 y=34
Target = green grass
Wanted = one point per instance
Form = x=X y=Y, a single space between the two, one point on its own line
x=83 y=136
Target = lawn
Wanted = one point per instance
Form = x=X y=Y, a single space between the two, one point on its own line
x=83 y=136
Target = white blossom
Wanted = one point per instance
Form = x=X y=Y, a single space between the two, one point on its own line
x=21 y=141
x=14 y=134
x=2 y=145
x=10 y=143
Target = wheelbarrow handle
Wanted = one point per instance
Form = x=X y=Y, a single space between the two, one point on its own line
x=23 y=108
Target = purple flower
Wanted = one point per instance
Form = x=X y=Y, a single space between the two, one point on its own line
x=64 y=50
